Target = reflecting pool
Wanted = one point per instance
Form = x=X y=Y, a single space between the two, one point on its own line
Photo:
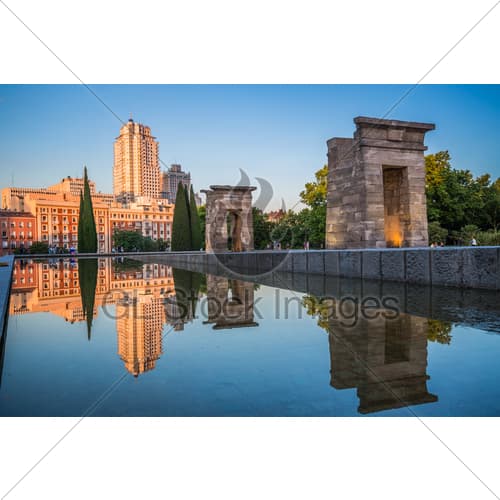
x=122 y=337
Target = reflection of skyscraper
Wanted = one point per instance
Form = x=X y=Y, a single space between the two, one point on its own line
x=384 y=358
x=139 y=325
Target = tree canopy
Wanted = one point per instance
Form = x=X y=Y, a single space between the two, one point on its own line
x=186 y=226
x=457 y=200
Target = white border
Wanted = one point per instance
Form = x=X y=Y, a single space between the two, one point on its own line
x=242 y=42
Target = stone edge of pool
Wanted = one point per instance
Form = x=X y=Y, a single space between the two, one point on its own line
x=463 y=267
x=5 y=282
x=460 y=267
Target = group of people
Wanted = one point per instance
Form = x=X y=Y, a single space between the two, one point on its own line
x=54 y=249
x=473 y=243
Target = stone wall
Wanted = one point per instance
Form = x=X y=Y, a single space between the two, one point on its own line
x=462 y=267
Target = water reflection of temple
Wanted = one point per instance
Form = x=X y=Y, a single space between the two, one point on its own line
x=230 y=303
x=138 y=292
x=384 y=358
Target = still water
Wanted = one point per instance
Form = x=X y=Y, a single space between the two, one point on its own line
x=124 y=338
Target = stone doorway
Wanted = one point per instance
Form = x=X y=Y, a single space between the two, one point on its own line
x=229 y=220
x=234 y=225
x=396 y=205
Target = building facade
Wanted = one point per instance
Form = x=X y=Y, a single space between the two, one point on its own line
x=19 y=230
x=171 y=179
x=150 y=218
x=136 y=170
x=54 y=212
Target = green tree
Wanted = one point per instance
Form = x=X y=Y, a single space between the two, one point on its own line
x=202 y=212
x=492 y=205
x=312 y=220
x=261 y=229
x=87 y=233
x=290 y=231
x=196 y=241
x=39 y=247
x=129 y=240
x=455 y=198
x=314 y=194
x=181 y=228
x=437 y=233
x=133 y=241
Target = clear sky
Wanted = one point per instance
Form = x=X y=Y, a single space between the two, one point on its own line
x=277 y=132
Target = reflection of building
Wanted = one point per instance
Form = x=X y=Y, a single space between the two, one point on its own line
x=18 y=230
x=384 y=358
x=230 y=303
x=52 y=286
x=136 y=169
x=171 y=179
x=139 y=326
x=138 y=290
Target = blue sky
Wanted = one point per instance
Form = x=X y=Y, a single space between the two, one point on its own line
x=277 y=132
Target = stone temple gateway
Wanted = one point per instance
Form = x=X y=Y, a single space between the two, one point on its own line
x=229 y=219
x=376 y=186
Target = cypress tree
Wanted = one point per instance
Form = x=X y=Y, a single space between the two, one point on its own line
x=87 y=233
x=196 y=242
x=181 y=228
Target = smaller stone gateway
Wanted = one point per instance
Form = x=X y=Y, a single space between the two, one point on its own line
x=229 y=206
x=376 y=186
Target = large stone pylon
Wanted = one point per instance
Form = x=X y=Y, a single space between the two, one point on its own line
x=376 y=186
